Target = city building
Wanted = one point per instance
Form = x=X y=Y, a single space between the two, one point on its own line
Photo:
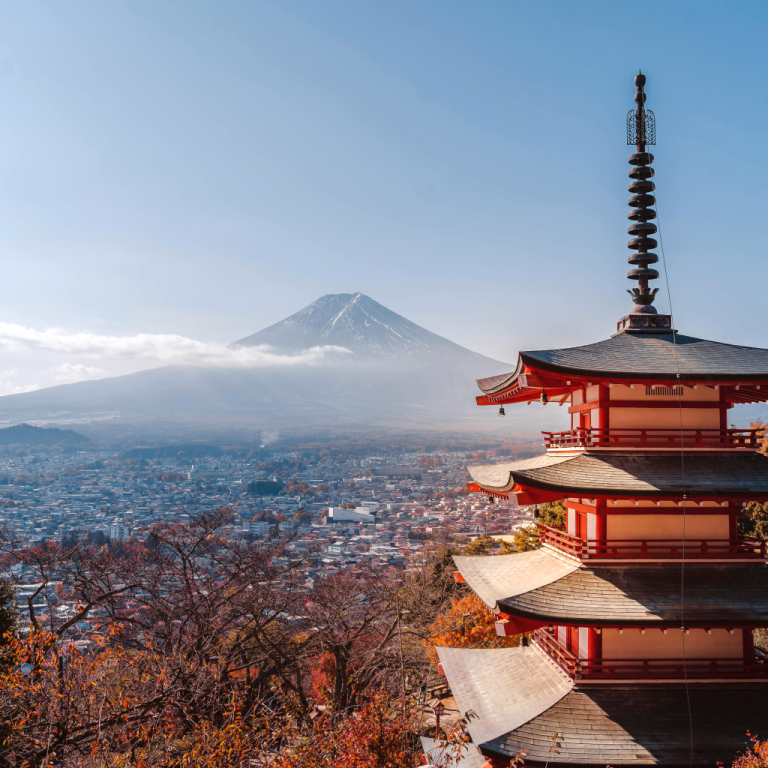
x=641 y=612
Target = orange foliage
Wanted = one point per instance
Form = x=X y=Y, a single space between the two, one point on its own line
x=761 y=434
x=467 y=624
x=323 y=671
x=375 y=736
x=755 y=757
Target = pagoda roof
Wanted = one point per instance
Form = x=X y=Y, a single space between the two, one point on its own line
x=642 y=356
x=494 y=578
x=505 y=687
x=522 y=700
x=588 y=474
x=640 y=726
x=542 y=586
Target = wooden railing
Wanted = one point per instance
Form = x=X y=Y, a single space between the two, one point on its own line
x=652 y=549
x=654 y=438
x=645 y=669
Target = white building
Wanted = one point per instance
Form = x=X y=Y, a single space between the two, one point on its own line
x=358 y=515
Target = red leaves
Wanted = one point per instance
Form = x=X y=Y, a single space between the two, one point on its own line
x=755 y=757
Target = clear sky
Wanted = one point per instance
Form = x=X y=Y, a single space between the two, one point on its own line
x=207 y=168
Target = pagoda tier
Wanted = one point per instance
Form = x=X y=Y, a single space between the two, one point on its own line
x=739 y=374
x=544 y=588
x=725 y=476
x=522 y=703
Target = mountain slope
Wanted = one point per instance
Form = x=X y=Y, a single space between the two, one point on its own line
x=398 y=374
x=360 y=324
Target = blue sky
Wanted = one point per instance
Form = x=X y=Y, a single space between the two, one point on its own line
x=205 y=169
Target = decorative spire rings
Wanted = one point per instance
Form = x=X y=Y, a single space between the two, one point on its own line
x=641 y=130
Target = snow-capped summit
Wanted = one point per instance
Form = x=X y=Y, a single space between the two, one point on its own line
x=357 y=322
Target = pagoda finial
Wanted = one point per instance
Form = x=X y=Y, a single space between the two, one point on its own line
x=641 y=131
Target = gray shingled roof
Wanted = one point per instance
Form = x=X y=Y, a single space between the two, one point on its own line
x=632 y=355
x=647 y=594
x=504 y=687
x=587 y=474
x=504 y=576
x=640 y=725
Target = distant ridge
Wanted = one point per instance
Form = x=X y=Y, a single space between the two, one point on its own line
x=357 y=322
x=26 y=434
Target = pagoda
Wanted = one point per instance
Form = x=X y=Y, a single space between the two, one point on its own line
x=639 y=613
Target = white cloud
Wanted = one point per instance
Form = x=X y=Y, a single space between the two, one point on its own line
x=166 y=349
x=8 y=385
x=71 y=372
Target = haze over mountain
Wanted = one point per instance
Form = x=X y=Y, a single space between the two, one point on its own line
x=396 y=373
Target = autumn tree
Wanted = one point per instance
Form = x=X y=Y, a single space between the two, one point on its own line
x=466 y=624
x=8 y=613
x=551 y=514
x=756 y=755
x=199 y=650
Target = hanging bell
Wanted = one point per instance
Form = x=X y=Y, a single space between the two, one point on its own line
x=543 y=399
x=502 y=412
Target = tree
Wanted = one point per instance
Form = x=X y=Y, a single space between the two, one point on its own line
x=526 y=539
x=551 y=514
x=755 y=757
x=466 y=624
x=264 y=487
x=753 y=520
x=8 y=613
x=482 y=545
x=199 y=651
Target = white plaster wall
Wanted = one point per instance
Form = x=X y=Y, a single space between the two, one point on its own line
x=655 y=527
x=593 y=393
x=664 y=418
x=583 y=642
x=571 y=521
x=631 y=644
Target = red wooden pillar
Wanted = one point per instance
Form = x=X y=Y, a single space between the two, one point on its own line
x=749 y=645
x=603 y=399
x=723 y=410
x=733 y=526
x=595 y=646
x=601 y=522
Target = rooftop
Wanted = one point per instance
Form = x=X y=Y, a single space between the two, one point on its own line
x=540 y=585
x=737 y=475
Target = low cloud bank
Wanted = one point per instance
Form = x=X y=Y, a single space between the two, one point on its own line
x=166 y=349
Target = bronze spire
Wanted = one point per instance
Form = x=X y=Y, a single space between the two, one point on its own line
x=641 y=131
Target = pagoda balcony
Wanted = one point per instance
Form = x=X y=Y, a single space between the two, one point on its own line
x=744 y=548
x=604 y=670
x=654 y=439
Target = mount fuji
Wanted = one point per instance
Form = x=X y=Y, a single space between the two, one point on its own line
x=361 y=325
x=397 y=375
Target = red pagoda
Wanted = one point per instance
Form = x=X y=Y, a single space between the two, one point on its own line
x=640 y=613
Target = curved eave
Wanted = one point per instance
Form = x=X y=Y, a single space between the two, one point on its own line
x=639 y=725
x=546 y=589
x=628 y=476
x=534 y=374
x=603 y=375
